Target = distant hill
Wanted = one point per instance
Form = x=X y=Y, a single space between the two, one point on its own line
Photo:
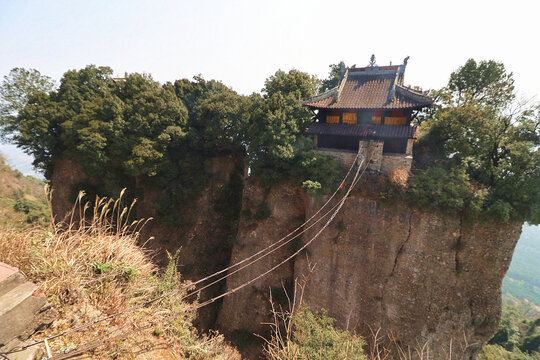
x=22 y=198
x=18 y=160
x=523 y=278
x=528 y=309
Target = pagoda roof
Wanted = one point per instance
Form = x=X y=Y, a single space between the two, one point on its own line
x=371 y=87
x=364 y=130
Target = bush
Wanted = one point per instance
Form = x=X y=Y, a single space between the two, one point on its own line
x=304 y=165
x=313 y=336
x=531 y=344
x=451 y=190
x=312 y=187
x=35 y=211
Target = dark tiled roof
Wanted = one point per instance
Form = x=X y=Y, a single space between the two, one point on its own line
x=371 y=88
x=367 y=130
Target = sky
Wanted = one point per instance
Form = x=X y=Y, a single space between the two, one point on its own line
x=241 y=43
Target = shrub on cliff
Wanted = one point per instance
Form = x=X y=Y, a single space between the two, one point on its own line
x=449 y=189
x=312 y=335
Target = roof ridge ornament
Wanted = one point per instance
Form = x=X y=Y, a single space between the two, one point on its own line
x=372 y=62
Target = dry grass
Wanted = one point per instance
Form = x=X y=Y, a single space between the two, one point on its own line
x=399 y=177
x=96 y=266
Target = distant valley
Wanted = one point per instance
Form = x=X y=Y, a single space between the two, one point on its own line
x=523 y=278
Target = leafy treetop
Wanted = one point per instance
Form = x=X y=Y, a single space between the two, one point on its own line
x=478 y=131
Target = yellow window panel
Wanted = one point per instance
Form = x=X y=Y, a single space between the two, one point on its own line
x=376 y=119
x=392 y=120
x=332 y=119
x=349 y=117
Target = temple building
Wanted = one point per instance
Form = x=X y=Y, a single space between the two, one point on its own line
x=370 y=109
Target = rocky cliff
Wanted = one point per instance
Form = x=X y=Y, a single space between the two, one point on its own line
x=245 y=312
x=428 y=280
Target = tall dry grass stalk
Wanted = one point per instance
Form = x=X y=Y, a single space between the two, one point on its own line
x=94 y=265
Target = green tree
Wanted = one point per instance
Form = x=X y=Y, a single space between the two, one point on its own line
x=475 y=129
x=218 y=123
x=15 y=91
x=278 y=116
x=486 y=82
x=152 y=120
x=333 y=77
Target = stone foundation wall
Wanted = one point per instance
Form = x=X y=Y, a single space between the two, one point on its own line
x=372 y=151
x=344 y=156
x=394 y=162
x=378 y=161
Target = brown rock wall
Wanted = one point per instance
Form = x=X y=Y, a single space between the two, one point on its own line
x=66 y=173
x=424 y=277
x=203 y=239
x=249 y=308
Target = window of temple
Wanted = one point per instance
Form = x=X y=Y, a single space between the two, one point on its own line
x=349 y=117
x=333 y=117
x=377 y=116
x=396 y=118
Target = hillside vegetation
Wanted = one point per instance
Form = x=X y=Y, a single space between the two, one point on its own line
x=523 y=278
x=518 y=337
x=22 y=198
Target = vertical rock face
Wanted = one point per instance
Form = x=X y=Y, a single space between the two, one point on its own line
x=202 y=237
x=423 y=278
x=66 y=173
x=247 y=310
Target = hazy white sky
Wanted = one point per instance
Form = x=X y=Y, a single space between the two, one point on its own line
x=243 y=42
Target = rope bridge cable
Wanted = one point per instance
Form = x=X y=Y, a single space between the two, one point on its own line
x=92 y=345
x=291 y=256
x=188 y=286
x=229 y=274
